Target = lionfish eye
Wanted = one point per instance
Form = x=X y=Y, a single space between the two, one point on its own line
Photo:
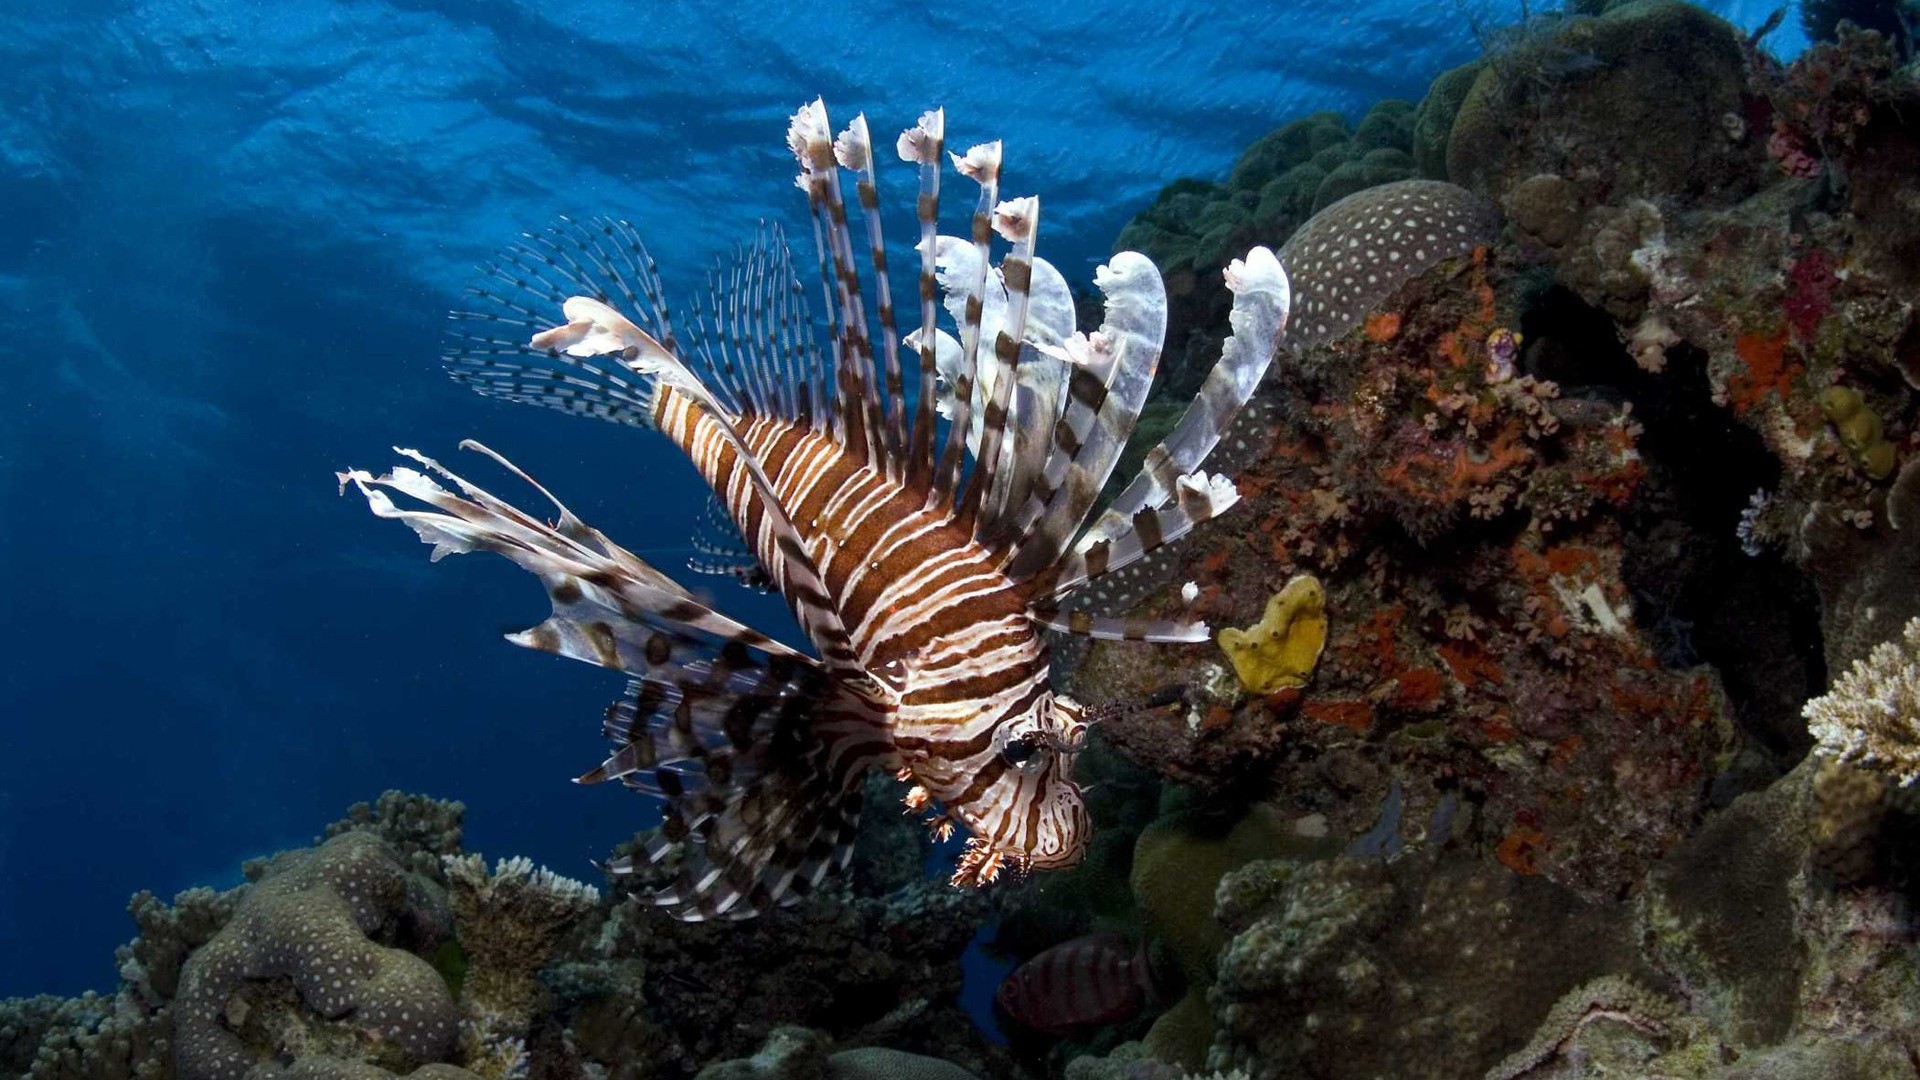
x=1018 y=752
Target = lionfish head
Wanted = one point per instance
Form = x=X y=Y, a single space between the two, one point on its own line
x=1027 y=814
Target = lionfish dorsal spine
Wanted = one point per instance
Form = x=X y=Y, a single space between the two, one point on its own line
x=812 y=143
x=1170 y=495
x=1018 y=221
x=924 y=145
x=854 y=150
x=1110 y=373
x=981 y=164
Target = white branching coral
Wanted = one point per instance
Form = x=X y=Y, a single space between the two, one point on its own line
x=1871 y=716
x=510 y=923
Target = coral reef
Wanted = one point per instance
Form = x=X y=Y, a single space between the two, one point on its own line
x=1352 y=255
x=1278 y=183
x=1595 y=456
x=1577 y=96
x=1432 y=965
x=509 y=924
x=387 y=950
x=1598 y=500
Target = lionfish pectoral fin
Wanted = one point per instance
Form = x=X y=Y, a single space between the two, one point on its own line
x=610 y=607
x=1116 y=628
x=574 y=319
x=1197 y=498
x=760 y=806
x=721 y=551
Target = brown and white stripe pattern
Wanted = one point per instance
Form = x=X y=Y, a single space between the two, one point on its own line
x=924 y=587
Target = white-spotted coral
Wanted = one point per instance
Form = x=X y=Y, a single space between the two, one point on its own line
x=309 y=920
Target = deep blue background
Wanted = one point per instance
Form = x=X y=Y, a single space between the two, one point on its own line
x=227 y=234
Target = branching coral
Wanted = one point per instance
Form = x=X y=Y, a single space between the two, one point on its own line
x=1871 y=716
x=510 y=925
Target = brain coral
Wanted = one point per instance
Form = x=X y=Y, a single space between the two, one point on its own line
x=308 y=921
x=1351 y=256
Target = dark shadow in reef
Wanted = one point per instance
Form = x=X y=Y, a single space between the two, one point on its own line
x=1755 y=619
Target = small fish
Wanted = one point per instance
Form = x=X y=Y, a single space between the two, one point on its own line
x=1079 y=985
x=924 y=562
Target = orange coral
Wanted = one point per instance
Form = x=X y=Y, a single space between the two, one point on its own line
x=1470 y=666
x=1383 y=327
x=1418 y=688
x=1768 y=370
x=1450 y=477
x=1357 y=715
x=1520 y=850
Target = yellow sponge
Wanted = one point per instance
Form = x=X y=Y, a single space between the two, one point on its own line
x=1279 y=652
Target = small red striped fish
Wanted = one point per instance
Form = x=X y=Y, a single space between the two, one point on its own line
x=1079 y=985
x=922 y=563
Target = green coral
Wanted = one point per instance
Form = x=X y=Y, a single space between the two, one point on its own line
x=1860 y=430
x=1277 y=182
x=1178 y=863
x=1433 y=119
x=1277 y=151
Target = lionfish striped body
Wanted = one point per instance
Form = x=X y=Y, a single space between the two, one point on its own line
x=924 y=585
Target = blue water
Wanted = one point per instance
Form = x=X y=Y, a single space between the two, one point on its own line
x=227 y=232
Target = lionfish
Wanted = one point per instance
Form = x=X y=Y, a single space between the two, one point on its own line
x=922 y=566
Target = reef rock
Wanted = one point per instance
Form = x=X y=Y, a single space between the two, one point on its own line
x=1577 y=96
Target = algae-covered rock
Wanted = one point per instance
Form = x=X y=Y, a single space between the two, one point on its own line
x=1545 y=209
x=882 y=1063
x=1718 y=914
x=302 y=947
x=1583 y=98
x=1427 y=967
x=1178 y=864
